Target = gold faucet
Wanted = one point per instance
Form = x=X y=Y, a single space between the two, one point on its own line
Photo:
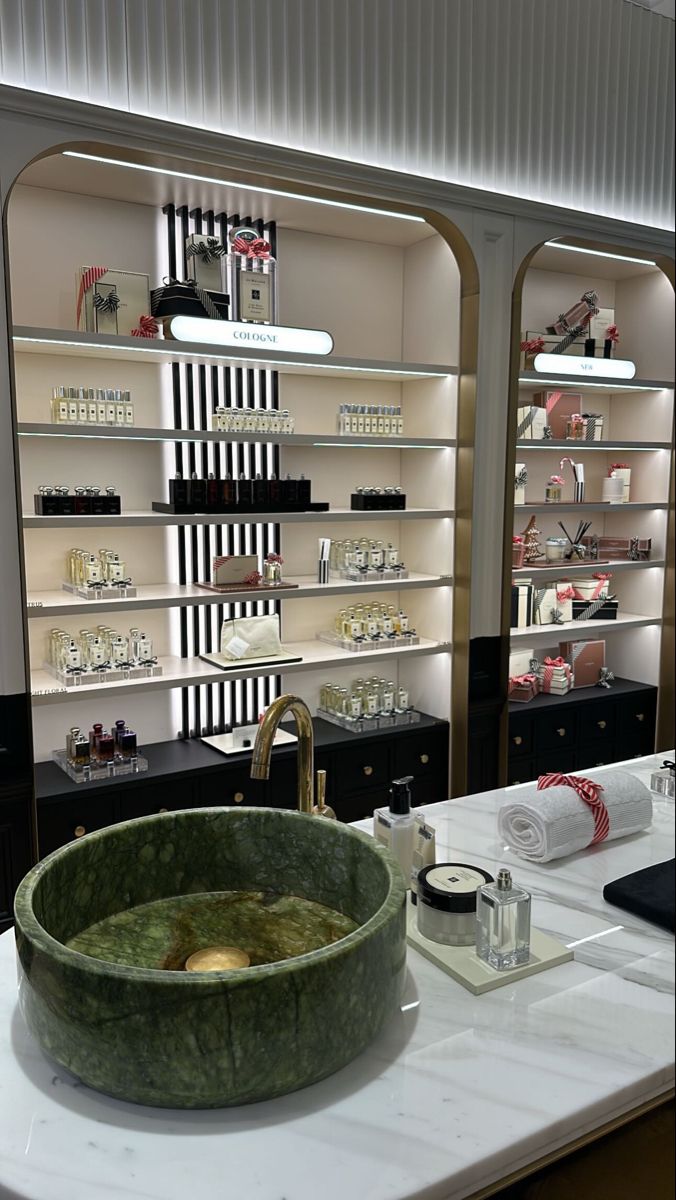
x=260 y=761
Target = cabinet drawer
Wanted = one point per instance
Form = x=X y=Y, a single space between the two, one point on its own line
x=65 y=820
x=429 y=789
x=555 y=730
x=520 y=770
x=520 y=736
x=555 y=760
x=365 y=766
x=234 y=787
x=598 y=722
x=424 y=753
x=595 y=754
x=146 y=799
x=636 y=723
x=357 y=806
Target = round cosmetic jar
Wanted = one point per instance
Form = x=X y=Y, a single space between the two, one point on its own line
x=555 y=549
x=447 y=902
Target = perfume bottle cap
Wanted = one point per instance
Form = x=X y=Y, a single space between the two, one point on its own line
x=504 y=880
x=400 y=795
x=110 y=489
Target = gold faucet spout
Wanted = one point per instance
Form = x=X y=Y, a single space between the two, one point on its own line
x=260 y=761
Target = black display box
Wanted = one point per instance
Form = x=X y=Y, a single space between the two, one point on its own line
x=365 y=503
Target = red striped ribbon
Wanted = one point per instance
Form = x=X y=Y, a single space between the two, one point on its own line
x=588 y=791
x=87 y=280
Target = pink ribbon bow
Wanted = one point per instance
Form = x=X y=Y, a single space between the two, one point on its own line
x=253 y=579
x=527 y=680
x=566 y=593
x=617 y=467
x=588 y=791
x=87 y=280
x=517 y=539
x=533 y=346
x=612 y=334
x=147 y=327
x=549 y=667
x=258 y=248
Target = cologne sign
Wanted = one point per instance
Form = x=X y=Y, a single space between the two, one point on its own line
x=591 y=368
x=244 y=336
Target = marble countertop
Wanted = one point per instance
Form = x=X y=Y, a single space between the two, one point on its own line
x=457 y=1093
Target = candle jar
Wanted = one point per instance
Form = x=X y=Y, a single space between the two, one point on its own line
x=555 y=549
x=553 y=492
x=575 y=430
x=272 y=572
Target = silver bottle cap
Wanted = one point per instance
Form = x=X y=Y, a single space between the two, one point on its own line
x=504 y=880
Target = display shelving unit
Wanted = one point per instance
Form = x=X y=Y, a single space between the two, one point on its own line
x=638 y=429
x=334 y=266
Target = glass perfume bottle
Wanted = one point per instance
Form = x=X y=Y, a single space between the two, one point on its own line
x=503 y=923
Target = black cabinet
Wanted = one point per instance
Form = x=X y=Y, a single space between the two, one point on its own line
x=589 y=727
x=189 y=774
x=15 y=844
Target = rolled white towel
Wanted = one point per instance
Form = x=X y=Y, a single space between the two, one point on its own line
x=556 y=821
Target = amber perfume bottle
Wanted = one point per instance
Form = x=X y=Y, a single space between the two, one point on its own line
x=228 y=495
x=213 y=494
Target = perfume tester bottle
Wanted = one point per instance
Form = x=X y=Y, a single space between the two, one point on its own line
x=503 y=923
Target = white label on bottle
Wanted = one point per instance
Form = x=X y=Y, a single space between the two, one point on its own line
x=254 y=296
x=237 y=647
x=455 y=878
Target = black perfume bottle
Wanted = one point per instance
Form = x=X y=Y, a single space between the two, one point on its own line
x=109 y=502
x=261 y=494
x=304 y=493
x=289 y=489
x=274 y=494
x=82 y=503
x=244 y=494
x=178 y=493
x=589 y=347
x=197 y=494
x=213 y=494
x=228 y=489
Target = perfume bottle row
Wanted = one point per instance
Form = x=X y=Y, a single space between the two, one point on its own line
x=91 y=406
x=377 y=420
x=252 y=420
x=100 y=653
x=366 y=559
x=85 y=500
x=377 y=499
x=365 y=626
x=228 y=495
x=366 y=704
x=101 y=753
x=96 y=572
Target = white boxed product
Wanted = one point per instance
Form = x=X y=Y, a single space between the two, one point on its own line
x=204 y=255
x=111 y=301
x=590 y=589
x=545 y=605
x=520 y=481
x=531 y=421
x=520 y=660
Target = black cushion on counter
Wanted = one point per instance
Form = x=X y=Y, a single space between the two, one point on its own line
x=649 y=893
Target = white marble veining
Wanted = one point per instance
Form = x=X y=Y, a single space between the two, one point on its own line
x=458 y=1092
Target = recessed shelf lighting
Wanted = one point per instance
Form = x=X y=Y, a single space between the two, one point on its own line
x=611 y=387
x=246 y=187
x=644 y=262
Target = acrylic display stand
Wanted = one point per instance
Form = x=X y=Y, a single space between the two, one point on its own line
x=371 y=574
x=391 y=720
x=96 y=771
x=103 y=591
x=113 y=674
x=383 y=643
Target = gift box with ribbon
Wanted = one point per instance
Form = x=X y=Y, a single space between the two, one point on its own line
x=587 y=660
x=523 y=687
x=177 y=298
x=520 y=481
x=559 y=407
x=555 y=676
x=603 y=609
x=518 y=551
x=531 y=422
x=631 y=549
x=546 y=609
x=520 y=661
x=592 y=589
x=111 y=301
x=522 y=604
x=204 y=254
x=564 y=601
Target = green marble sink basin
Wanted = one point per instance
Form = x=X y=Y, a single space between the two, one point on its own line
x=161 y=1035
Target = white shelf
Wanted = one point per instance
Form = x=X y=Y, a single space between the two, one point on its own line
x=29 y=340
x=531 y=379
x=318 y=440
x=575 y=446
x=184 y=672
x=563 y=570
x=549 y=634
x=32 y=521
x=570 y=506
x=159 y=595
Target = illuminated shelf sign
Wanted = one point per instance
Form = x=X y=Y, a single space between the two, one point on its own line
x=592 y=368
x=243 y=336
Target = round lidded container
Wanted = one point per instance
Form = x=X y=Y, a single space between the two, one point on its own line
x=555 y=549
x=447 y=902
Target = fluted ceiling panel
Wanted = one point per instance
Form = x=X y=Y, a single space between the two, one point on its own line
x=564 y=101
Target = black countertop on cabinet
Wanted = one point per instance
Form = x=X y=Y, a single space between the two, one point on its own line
x=192 y=757
x=621 y=687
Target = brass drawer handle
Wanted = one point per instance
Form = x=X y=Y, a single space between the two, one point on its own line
x=601 y=725
x=368 y=770
x=561 y=732
x=424 y=758
x=79 y=831
x=640 y=717
x=238 y=797
x=518 y=741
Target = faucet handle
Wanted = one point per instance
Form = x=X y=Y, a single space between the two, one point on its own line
x=321 y=808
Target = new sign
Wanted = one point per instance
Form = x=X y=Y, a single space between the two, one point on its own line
x=592 y=368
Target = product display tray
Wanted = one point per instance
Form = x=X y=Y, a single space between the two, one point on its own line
x=239 y=664
x=369 y=724
x=104 y=592
x=233 y=743
x=334 y=639
x=245 y=587
x=113 y=675
x=462 y=964
x=563 y=564
x=131 y=766
x=372 y=574
x=165 y=506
